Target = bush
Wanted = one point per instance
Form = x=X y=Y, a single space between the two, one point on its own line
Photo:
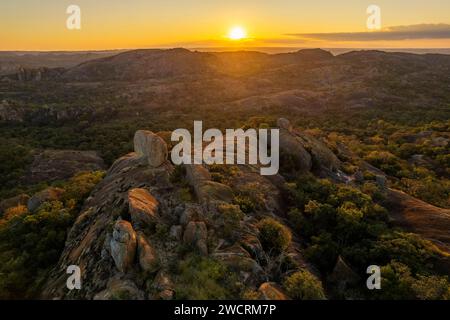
x=302 y=285
x=200 y=278
x=274 y=237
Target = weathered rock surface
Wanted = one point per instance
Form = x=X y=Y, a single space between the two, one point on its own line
x=123 y=245
x=196 y=234
x=120 y=290
x=49 y=194
x=290 y=145
x=143 y=207
x=205 y=189
x=51 y=165
x=148 y=257
x=151 y=146
x=322 y=156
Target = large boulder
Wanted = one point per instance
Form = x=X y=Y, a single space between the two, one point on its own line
x=148 y=257
x=214 y=191
x=49 y=194
x=143 y=207
x=205 y=189
x=321 y=154
x=150 y=146
x=123 y=245
x=292 y=146
x=271 y=291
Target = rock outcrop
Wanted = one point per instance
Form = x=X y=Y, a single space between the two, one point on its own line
x=196 y=234
x=150 y=146
x=148 y=257
x=306 y=151
x=143 y=207
x=123 y=245
x=51 y=165
x=119 y=289
x=205 y=189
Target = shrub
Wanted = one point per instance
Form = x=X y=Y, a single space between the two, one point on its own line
x=302 y=285
x=274 y=237
x=200 y=278
x=231 y=217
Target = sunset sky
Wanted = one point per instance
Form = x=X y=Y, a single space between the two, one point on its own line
x=119 y=24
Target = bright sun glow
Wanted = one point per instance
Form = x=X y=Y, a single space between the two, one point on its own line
x=237 y=33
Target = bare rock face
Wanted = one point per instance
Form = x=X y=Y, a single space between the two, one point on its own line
x=123 y=245
x=148 y=258
x=120 y=290
x=270 y=291
x=143 y=207
x=49 y=194
x=51 y=165
x=151 y=146
x=196 y=234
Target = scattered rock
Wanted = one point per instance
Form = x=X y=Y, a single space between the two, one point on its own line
x=123 y=245
x=196 y=234
x=176 y=232
x=189 y=214
x=120 y=290
x=148 y=258
x=49 y=194
x=151 y=146
x=143 y=207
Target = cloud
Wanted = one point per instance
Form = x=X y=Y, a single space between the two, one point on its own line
x=411 y=32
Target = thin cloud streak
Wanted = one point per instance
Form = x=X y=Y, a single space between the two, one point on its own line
x=412 y=32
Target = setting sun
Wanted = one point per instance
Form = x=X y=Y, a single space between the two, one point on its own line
x=237 y=33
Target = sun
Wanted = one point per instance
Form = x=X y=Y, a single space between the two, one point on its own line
x=237 y=33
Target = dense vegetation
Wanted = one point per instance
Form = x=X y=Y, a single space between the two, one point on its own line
x=31 y=242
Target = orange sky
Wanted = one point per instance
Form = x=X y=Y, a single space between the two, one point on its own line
x=116 y=24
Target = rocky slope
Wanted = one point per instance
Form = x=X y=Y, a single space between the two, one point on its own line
x=117 y=237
